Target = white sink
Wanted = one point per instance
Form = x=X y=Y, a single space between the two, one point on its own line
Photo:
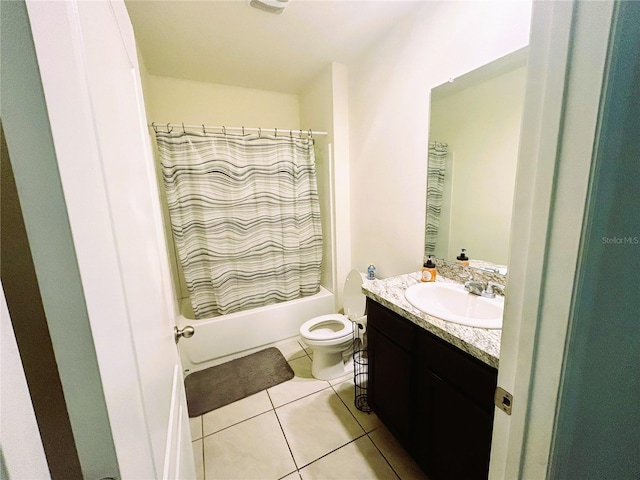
x=451 y=302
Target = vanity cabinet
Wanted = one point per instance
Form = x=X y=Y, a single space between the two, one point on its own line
x=436 y=399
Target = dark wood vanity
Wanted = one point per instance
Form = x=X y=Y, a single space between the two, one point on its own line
x=435 y=398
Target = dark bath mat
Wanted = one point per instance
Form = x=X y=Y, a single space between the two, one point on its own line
x=223 y=384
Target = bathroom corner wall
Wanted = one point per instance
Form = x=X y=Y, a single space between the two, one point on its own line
x=389 y=91
x=324 y=107
x=177 y=277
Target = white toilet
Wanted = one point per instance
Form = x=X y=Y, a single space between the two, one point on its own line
x=331 y=335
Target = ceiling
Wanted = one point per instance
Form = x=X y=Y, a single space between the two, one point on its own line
x=230 y=43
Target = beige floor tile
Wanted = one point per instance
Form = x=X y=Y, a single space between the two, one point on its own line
x=253 y=449
x=301 y=385
x=317 y=424
x=291 y=350
x=236 y=412
x=345 y=390
x=198 y=459
x=195 y=424
x=357 y=460
x=396 y=455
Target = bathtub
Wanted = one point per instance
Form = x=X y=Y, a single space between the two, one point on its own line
x=223 y=338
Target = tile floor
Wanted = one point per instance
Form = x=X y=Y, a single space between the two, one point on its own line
x=301 y=429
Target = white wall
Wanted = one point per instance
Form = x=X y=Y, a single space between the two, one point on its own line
x=481 y=125
x=324 y=103
x=174 y=100
x=316 y=113
x=389 y=115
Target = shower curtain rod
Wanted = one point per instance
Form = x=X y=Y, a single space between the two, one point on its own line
x=223 y=129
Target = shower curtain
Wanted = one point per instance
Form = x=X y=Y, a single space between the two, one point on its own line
x=435 y=187
x=245 y=217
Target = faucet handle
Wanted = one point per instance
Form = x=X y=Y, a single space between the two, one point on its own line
x=489 y=291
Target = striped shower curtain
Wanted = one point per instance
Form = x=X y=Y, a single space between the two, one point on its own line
x=435 y=188
x=245 y=217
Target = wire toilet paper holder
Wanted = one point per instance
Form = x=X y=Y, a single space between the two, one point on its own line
x=360 y=367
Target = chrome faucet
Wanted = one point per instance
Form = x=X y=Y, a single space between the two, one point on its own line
x=477 y=288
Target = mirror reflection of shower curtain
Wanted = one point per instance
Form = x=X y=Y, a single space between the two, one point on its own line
x=435 y=187
x=245 y=217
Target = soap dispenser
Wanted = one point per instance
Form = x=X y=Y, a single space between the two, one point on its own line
x=462 y=259
x=428 y=270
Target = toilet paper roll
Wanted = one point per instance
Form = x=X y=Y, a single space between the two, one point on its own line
x=362 y=326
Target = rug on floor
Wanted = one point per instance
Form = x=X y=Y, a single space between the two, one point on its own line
x=223 y=384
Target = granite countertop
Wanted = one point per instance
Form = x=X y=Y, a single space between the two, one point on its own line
x=482 y=343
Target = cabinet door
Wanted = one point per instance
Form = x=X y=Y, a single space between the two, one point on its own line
x=460 y=436
x=389 y=382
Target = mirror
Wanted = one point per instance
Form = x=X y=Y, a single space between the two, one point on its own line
x=473 y=150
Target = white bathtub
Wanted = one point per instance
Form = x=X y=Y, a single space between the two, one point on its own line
x=223 y=338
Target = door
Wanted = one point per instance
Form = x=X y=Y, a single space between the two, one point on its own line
x=88 y=64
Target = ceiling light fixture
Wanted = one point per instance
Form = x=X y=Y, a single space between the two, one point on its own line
x=271 y=6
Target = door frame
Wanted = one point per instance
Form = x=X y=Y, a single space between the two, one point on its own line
x=567 y=63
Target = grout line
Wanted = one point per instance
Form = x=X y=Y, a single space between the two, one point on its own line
x=284 y=434
x=304 y=350
x=347 y=407
x=204 y=471
x=304 y=396
x=290 y=473
x=365 y=430
x=384 y=456
x=334 y=450
x=204 y=463
x=233 y=425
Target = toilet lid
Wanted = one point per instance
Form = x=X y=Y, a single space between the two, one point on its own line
x=354 y=300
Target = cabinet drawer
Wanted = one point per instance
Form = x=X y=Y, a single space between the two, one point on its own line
x=458 y=368
x=399 y=329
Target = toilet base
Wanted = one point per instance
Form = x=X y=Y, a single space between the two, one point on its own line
x=327 y=365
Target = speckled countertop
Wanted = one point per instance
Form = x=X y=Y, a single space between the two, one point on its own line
x=482 y=343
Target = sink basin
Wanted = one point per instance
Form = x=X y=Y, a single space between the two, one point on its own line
x=451 y=302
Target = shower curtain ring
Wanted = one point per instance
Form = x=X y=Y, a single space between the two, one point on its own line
x=203 y=130
x=183 y=130
x=290 y=133
x=310 y=134
x=243 y=130
x=224 y=131
x=276 y=134
x=155 y=129
x=300 y=133
x=169 y=131
x=259 y=132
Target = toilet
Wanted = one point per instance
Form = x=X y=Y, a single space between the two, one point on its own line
x=329 y=336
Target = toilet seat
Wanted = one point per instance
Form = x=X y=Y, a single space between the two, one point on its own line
x=327 y=328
